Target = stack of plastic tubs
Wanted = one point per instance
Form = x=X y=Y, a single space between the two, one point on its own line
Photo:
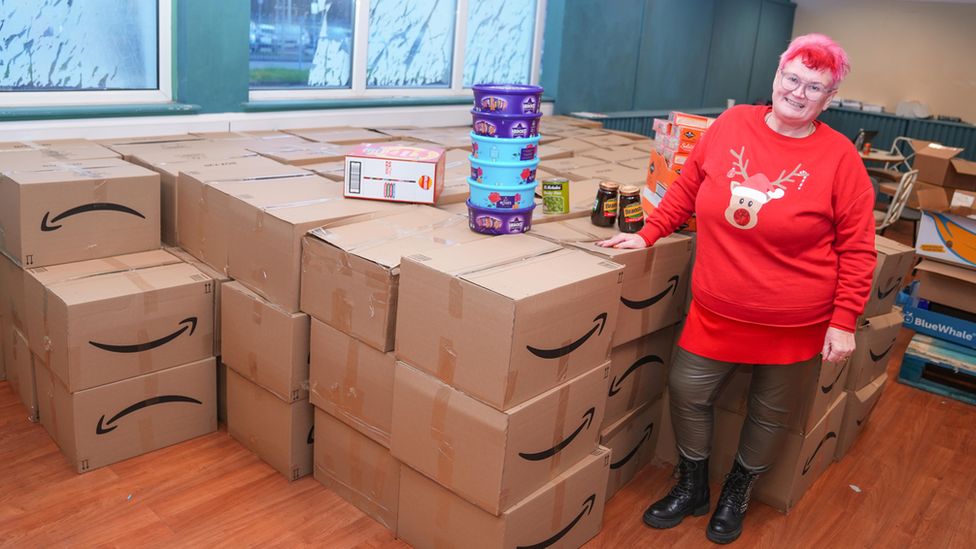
x=503 y=158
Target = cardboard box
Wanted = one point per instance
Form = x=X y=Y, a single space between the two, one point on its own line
x=333 y=171
x=801 y=462
x=632 y=440
x=946 y=237
x=552 y=152
x=655 y=279
x=202 y=223
x=359 y=470
x=128 y=418
x=104 y=320
x=507 y=318
x=948 y=285
x=890 y=273
x=678 y=118
x=610 y=172
x=874 y=340
x=302 y=154
x=823 y=386
x=937 y=164
x=340 y=136
x=265 y=343
x=395 y=173
x=28 y=159
x=168 y=164
x=19 y=368
x=491 y=458
x=351 y=273
x=640 y=163
x=565 y=513
x=607 y=140
x=61 y=216
x=457 y=169
x=616 y=154
x=572 y=144
x=279 y=432
x=13 y=300
x=638 y=373
x=219 y=280
x=860 y=404
x=352 y=381
x=563 y=166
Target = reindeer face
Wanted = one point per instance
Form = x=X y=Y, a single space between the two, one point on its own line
x=743 y=212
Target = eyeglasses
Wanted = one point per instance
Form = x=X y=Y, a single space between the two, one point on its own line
x=811 y=90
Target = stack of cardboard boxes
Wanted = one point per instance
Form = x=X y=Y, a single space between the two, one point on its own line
x=109 y=338
x=674 y=139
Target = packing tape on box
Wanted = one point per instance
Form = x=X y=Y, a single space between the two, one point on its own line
x=341 y=311
x=438 y=433
x=145 y=355
x=374 y=303
x=563 y=367
x=559 y=429
x=559 y=500
x=446 y=360
x=485 y=267
x=252 y=365
x=511 y=383
x=257 y=312
x=100 y=191
x=635 y=384
x=455 y=298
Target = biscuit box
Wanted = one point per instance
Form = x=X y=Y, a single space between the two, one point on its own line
x=394 y=173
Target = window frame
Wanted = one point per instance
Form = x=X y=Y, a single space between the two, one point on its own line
x=164 y=78
x=360 y=46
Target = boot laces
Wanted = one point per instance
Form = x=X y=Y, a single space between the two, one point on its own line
x=682 y=473
x=737 y=489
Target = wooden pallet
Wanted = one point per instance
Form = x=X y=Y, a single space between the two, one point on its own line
x=940 y=367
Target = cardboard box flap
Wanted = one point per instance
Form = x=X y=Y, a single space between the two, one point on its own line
x=573 y=231
x=132 y=282
x=950 y=271
x=56 y=274
x=938 y=151
x=964 y=166
x=932 y=199
x=614 y=428
x=386 y=240
x=889 y=246
x=501 y=250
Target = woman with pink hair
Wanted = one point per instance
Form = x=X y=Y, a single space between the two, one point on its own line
x=784 y=267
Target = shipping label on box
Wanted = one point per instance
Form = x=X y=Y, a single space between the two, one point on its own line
x=803 y=459
x=860 y=404
x=352 y=381
x=655 y=280
x=358 y=469
x=279 y=432
x=264 y=343
x=109 y=423
x=875 y=340
x=632 y=439
x=395 y=173
x=566 y=512
x=104 y=320
x=492 y=458
x=61 y=216
x=507 y=318
x=350 y=273
x=638 y=372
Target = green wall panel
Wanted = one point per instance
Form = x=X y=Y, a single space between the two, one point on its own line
x=211 y=53
x=598 y=58
x=674 y=54
x=732 y=50
x=772 y=39
x=552 y=44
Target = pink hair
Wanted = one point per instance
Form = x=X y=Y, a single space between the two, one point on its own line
x=818 y=53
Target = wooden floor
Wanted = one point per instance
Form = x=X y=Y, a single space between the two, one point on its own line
x=909 y=481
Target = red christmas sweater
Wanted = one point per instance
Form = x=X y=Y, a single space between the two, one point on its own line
x=785 y=225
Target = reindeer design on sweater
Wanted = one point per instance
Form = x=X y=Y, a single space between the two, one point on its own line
x=749 y=196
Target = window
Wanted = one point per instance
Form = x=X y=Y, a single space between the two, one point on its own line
x=63 y=52
x=377 y=48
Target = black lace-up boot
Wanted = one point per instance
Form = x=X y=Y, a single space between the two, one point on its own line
x=688 y=497
x=726 y=523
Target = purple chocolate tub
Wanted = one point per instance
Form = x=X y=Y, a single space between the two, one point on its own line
x=506 y=126
x=492 y=221
x=507 y=98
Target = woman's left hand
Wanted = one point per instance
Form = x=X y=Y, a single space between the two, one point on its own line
x=838 y=345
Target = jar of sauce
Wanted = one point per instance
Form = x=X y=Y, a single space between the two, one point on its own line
x=631 y=216
x=604 y=212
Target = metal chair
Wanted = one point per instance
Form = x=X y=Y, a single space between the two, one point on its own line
x=901 y=146
x=882 y=220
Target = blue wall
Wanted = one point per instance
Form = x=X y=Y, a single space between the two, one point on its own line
x=620 y=55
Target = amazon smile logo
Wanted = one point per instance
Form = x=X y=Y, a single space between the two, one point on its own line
x=830 y=387
x=876 y=358
x=601 y=319
x=152 y=344
x=588 y=506
x=311 y=435
x=546 y=454
x=895 y=286
x=102 y=429
x=649 y=359
x=100 y=207
x=672 y=287
x=828 y=436
x=628 y=457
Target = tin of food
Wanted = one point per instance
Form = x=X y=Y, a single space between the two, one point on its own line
x=555 y=196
